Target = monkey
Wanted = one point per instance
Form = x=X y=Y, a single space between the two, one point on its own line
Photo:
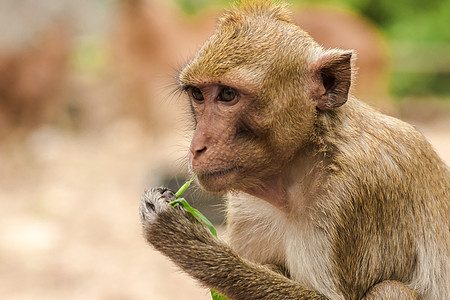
x=327 y=198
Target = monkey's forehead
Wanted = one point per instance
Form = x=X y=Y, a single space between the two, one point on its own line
x=247 y=53
x=227 y=51
x=244 y=78
x=249 y=41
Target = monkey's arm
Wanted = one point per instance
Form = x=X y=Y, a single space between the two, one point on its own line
x=188 y=244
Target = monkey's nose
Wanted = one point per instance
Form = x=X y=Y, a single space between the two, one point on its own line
x=197 y=152
x=199 y=143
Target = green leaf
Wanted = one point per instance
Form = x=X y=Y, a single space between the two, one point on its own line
x=197 y=214
x=216 y=296
x=201 y=218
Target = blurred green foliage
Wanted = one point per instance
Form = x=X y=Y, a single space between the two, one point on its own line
x=90 y=55
x=418 y=33
x=192 y=7
x=416 y=30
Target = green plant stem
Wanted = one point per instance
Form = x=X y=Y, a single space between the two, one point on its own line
x=184 y=187
x=200 y=217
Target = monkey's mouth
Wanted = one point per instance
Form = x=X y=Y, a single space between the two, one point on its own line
x=219 y=181
x=208 y=175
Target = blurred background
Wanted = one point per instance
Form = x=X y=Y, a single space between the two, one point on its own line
x=89 y=119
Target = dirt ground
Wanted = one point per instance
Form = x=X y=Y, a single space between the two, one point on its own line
x=69 y=223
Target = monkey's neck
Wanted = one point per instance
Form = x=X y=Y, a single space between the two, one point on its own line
x=273 y=190
x=289 y=189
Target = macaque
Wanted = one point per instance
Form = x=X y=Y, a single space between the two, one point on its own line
x=327 y=198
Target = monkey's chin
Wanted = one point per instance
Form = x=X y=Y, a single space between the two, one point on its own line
x=218 y=181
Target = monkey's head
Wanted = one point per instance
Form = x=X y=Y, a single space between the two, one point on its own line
x=255 y=89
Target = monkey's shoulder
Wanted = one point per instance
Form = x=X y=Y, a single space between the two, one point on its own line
x=372 y=141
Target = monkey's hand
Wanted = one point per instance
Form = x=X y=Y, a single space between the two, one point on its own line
x=172 y=230
x=159 y=218
x=154 y=202
x=177 y=234
x=155 y=211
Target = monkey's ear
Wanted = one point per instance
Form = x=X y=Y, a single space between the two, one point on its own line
x=332 y=77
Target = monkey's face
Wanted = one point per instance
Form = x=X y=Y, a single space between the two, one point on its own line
x=228 y=148
x=243 y=105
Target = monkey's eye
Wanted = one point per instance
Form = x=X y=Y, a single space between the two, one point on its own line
x=227 y=94
x=197 y=94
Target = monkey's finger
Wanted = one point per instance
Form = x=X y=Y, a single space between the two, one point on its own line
x=154 y=202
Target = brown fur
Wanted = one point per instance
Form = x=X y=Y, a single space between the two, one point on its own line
x=349 y=203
